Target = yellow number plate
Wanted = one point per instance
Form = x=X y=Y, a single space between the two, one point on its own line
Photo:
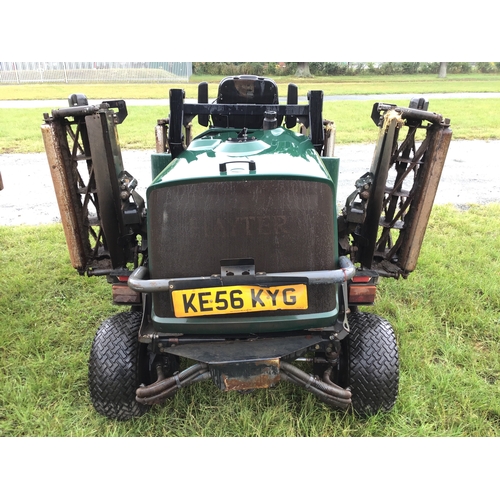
x=238 y=299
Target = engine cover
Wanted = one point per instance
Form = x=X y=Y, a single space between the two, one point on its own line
x=266 y=197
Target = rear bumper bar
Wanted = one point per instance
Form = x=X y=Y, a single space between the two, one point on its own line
x=138 y=283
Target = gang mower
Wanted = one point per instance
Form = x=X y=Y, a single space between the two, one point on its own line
x=239 y=266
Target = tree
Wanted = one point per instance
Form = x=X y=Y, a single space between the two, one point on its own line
x=303 y=70
x=442 y=69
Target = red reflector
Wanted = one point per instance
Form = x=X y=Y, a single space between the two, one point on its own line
x=123 y=279
x=361 y=279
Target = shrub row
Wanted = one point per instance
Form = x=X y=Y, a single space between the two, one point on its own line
x=340 y=68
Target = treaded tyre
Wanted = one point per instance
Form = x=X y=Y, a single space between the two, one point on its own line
x=118 y=365
x=370 y=364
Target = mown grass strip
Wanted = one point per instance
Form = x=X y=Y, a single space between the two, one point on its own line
x=471 y=119
x=333 y=85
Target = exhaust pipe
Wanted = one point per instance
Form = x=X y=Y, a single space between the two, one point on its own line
x=164 y=388
x=328 y=392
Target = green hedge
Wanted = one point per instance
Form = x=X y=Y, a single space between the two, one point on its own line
x=340 y=68
x=245 y=68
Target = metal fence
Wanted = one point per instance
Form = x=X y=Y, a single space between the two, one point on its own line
x=94 y=72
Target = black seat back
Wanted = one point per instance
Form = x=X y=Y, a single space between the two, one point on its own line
x=245 y=89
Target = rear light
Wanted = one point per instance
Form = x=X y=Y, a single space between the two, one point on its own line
x=363 y=287
x=122 y=294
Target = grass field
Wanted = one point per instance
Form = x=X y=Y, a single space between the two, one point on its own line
x=471 y=119
x=446 y=317
x=334 y=85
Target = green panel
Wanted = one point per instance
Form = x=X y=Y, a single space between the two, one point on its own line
x=276 y=154
x=158 y=162
x=234 y=324
x=332 y=165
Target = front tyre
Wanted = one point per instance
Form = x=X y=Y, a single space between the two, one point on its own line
x=370 y=364
x=118 y=365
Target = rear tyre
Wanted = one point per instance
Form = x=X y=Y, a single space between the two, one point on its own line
x=370 y=364
x=118 y=365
